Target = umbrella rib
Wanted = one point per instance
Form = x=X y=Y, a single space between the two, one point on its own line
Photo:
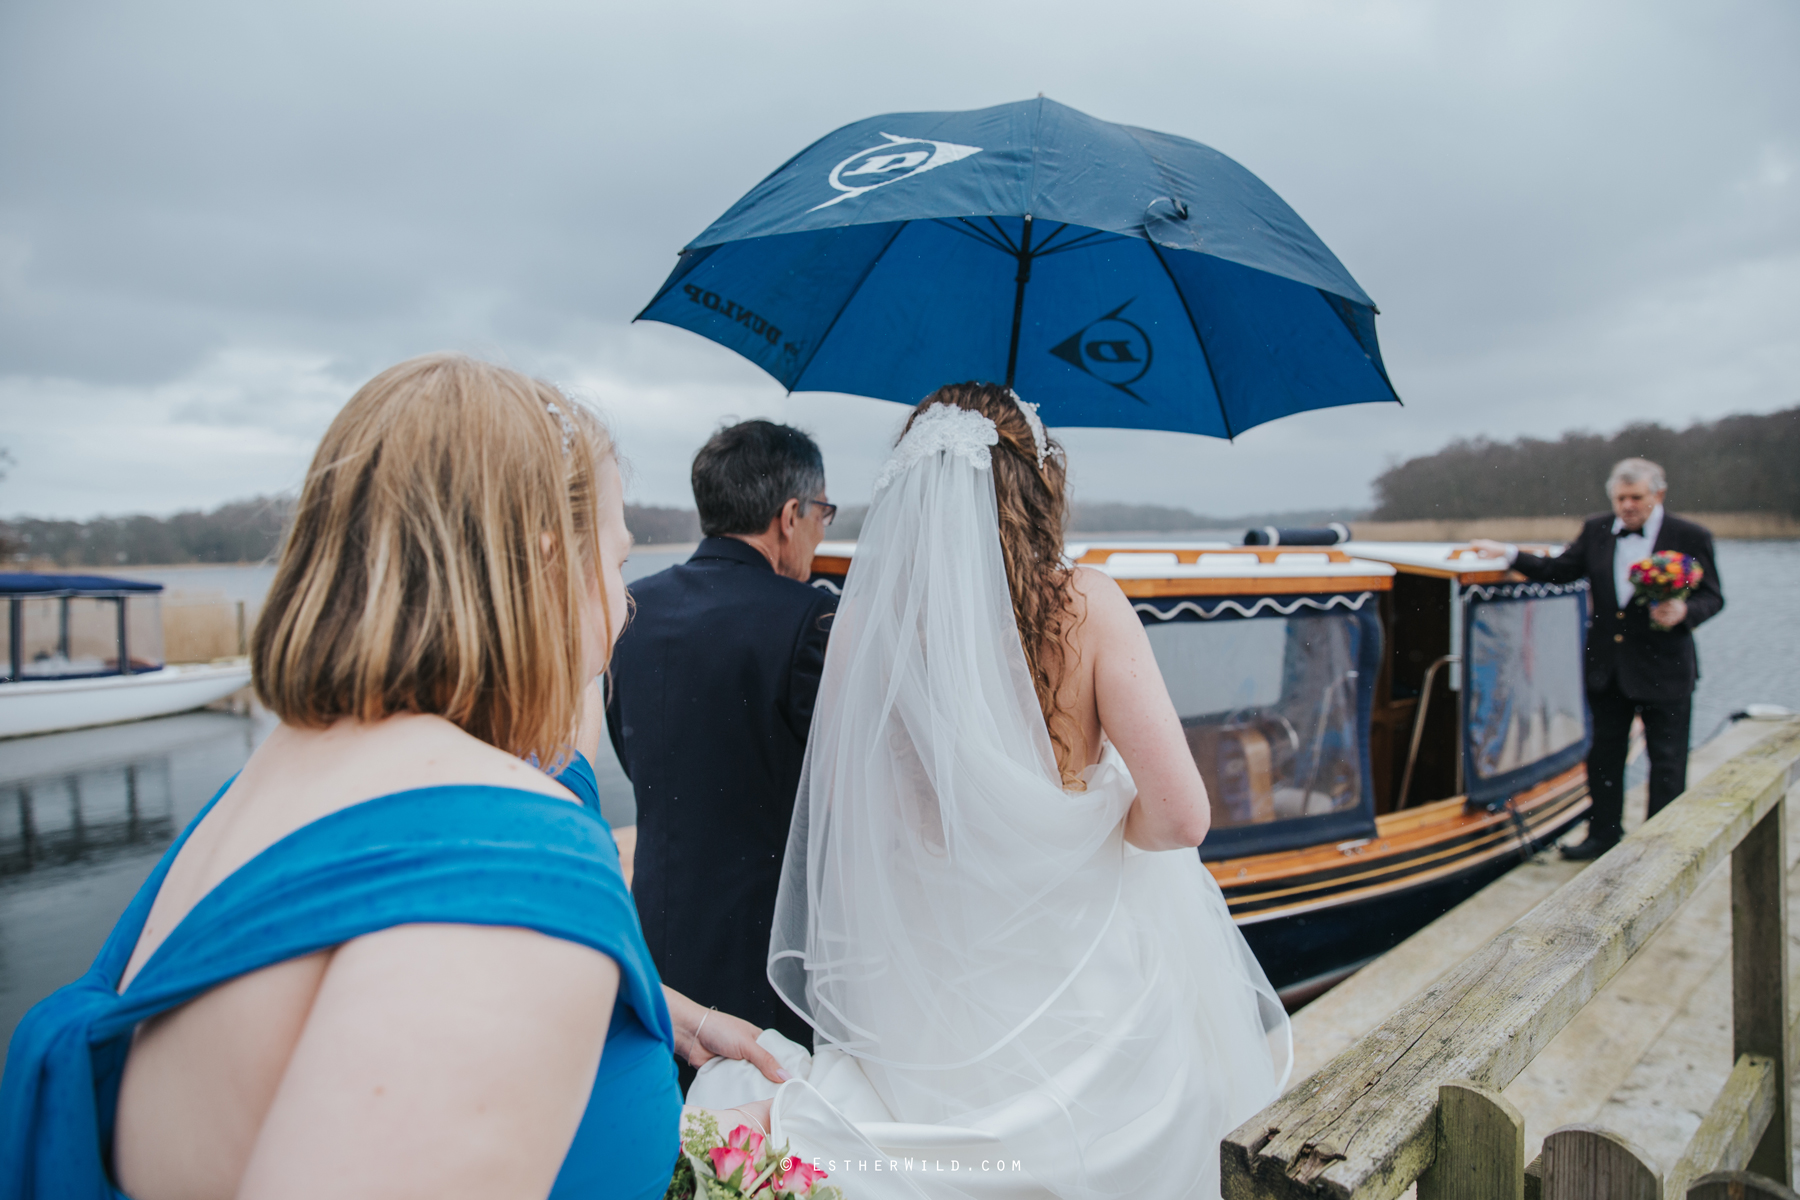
x=1011 y=247
x=848 y=301
x=1218 y=395
x=1039 y=248
x=979 y=235
x=1085 y=239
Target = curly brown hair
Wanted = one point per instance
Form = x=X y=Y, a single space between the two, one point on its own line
x=1034 y=507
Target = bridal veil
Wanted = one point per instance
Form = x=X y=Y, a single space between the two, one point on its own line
x=992 y=972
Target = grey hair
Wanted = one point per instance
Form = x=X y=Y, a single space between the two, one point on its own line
x=1637 y=470
x=746 y=473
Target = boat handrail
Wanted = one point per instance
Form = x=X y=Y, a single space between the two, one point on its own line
x=1418 y=1099
x=1412 y=755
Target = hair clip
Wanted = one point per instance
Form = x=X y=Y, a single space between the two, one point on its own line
x=1038 y=436
x=568 y=427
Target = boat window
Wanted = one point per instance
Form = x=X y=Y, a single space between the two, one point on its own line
x=144 y=631
x=1526 y=702
x=1270 y=709
x=40 y=630
x=65 y=637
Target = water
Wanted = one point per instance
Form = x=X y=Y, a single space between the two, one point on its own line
x=1750 y=653
x=84 y=815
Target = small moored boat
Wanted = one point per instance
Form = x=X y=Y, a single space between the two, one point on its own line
x=87 y=650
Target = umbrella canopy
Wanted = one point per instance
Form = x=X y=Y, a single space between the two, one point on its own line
x=1116 y=276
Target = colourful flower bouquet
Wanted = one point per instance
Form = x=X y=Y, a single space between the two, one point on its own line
x=1665 y=575
x=740 y=1166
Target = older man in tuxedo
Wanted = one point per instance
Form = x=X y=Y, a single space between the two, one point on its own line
x=712 y=690
x=1633 y=668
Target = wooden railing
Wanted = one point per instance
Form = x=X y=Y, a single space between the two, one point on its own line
x=1418 y=1099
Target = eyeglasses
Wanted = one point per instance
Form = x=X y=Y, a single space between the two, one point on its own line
x=829 y=509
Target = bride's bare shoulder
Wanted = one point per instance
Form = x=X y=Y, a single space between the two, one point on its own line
x=1099 y=599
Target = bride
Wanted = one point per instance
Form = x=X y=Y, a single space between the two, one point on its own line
x=1021 y=980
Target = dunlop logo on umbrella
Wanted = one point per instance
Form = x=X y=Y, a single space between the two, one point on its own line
x=731 y=310
x=898 y=158
x=1111 y=349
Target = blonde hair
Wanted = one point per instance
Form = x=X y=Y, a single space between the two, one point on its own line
x=443 y=539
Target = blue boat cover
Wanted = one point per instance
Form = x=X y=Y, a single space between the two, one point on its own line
x=15 y=583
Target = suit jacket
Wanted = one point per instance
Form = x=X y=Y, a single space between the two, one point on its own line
x=1647 y=665
x=711 y=700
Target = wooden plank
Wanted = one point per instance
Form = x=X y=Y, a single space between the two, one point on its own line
x=1759 y=979
x=1738 y=1185
x=1364 y=1126
x=1480 y=1147
x=1254 y=585
x=1733 y=1126
x=1534 y=1178
x=1098 y=554
x=1584 y=1163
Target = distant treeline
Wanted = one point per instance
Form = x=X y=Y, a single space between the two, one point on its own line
x=250 y=531
x=1109 y=517
x=1734 y=464
x=243 y=531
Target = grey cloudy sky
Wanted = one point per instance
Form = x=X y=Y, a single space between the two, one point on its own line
x=217 y=219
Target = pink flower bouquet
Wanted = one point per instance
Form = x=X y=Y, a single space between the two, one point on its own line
x=740 y=1166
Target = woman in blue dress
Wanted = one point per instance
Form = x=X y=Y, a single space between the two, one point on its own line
x=393 y=957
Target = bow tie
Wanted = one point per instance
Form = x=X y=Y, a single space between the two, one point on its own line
x=1623 y=532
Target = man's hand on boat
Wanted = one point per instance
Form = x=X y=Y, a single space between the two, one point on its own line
x=703 y=1034
x=1489 y=548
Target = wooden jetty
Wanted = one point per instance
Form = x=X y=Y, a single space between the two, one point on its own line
x=1417 y=1099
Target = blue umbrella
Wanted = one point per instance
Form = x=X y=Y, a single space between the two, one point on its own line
x=1117 y=276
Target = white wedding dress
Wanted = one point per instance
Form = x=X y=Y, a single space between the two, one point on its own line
x=1008 y=1000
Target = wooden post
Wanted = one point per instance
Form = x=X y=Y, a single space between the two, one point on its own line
x=1585 y=1163
x=1739 y=1185
x=243 y=638
x=1759 y=977
x=1480 y=1147
x=1733 y=1128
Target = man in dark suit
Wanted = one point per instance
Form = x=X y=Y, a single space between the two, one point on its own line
x=712 y=690
x=1633 y=669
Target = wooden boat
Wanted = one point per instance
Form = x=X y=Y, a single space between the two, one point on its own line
x=87 y=650
x=1383 y=729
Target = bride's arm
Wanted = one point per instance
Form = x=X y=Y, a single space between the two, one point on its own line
x=1171 y=810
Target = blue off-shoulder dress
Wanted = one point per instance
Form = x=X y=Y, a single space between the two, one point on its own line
x=464 y=855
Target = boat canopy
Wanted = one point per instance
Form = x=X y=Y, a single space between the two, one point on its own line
x=1524 y=711
x=1271 y=655
x=78 y=626
x=16 y=583
x=1516 y=656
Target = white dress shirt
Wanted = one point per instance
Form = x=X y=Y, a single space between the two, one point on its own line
x=1631 y=549
x=1628 y=550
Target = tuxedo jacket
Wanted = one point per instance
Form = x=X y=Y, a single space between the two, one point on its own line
x=1647 y=665
x=711 y=698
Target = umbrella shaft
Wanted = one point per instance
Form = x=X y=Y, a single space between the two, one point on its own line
x=1019 y=282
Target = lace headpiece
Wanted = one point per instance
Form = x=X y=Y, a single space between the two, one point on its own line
x=942 y=427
